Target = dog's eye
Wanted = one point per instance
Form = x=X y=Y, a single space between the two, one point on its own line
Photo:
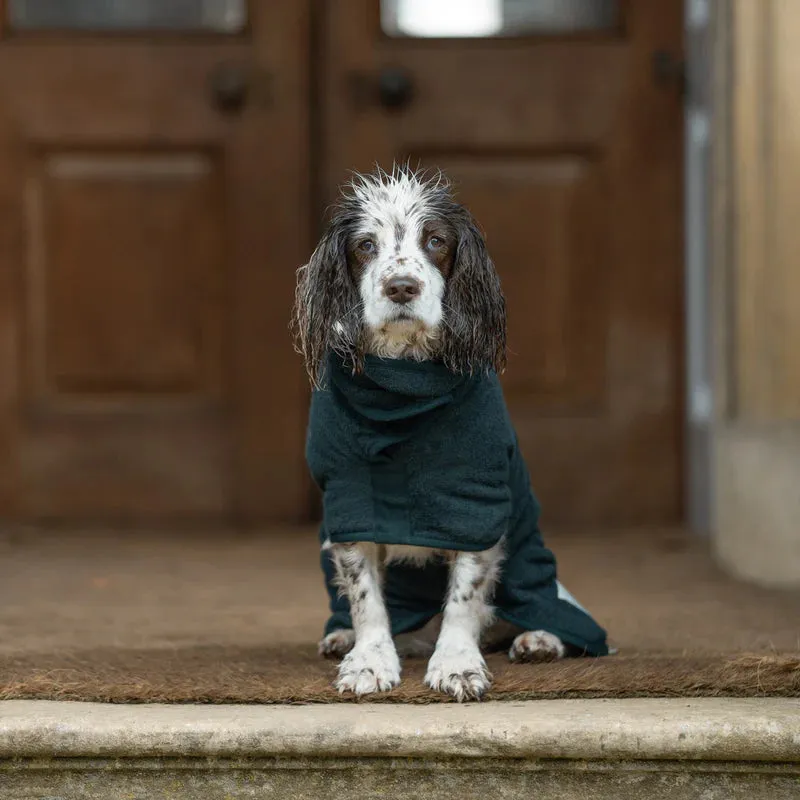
x=434 y=243
x=366 y=246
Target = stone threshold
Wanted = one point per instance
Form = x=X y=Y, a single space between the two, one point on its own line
x=711 y=729
x=559 y=749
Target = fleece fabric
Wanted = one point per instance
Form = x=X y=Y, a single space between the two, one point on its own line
x=412 y=453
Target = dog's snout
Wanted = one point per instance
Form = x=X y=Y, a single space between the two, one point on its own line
x=402 y=289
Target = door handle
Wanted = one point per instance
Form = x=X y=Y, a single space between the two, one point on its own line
x=395 y=88
x=229 y=87
x=668 y=70
x=392 y=88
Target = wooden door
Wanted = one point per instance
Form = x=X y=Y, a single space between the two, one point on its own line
x=566 y=145
x=153 y=174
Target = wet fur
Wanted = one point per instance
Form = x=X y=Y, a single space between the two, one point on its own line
x=460 y=317
x=327 y=313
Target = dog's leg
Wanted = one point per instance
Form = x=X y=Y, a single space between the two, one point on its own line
x=457 y=666
x=526 y=646
x=372 y=665
x=537 y=646
x=337 y=644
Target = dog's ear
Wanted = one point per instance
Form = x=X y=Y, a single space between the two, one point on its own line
x=474 y=334
x=326 y=305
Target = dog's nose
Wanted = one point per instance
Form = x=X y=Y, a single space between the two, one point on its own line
x=402 y=290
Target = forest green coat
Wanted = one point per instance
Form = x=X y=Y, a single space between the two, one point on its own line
x=411 y=453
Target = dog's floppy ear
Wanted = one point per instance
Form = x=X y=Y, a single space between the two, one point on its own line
x=325 y=314
x=474 y=334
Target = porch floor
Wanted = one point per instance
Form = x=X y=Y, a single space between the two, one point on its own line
x=234 y=617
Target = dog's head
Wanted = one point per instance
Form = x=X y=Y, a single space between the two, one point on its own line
x=401 y=271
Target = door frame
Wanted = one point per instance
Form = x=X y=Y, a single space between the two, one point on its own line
x=703 y=91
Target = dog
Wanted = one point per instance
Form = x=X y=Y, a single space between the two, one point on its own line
x=402 y=276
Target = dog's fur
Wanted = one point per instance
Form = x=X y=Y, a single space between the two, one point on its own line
x=403 y=236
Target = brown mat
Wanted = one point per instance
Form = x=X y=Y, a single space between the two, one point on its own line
x=237 y=675
x=124 y=617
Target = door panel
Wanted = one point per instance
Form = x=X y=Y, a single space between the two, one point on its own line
x=158 y=220
x=152 y=259
x=555 y=359
x=568 y=152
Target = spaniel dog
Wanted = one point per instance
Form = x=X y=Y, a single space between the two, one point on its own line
x=402 y=272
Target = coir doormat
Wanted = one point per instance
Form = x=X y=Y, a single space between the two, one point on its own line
x=297 y=675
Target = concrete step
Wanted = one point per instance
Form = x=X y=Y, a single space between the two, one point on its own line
x=714 y=749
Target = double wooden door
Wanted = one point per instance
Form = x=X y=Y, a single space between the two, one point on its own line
x=162 y=171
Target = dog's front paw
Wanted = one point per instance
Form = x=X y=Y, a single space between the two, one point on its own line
x=369 y=668
x=537 y=646
x=337 y=644
x=460 y=673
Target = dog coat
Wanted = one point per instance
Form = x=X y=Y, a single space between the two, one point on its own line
x=411 y=453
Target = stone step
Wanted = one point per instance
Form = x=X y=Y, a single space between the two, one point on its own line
x=714 y=749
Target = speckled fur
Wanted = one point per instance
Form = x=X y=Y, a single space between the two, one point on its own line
x=388 y=226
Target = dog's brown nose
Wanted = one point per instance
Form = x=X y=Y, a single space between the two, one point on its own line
x=402 y=290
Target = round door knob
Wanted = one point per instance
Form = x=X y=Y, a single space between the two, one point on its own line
x=669 y=70
x=229 y=86
x=395 y=88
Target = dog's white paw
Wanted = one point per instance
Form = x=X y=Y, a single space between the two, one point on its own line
x=537 y=646
x=337 y=644
x=370 y=668
x=460 y=673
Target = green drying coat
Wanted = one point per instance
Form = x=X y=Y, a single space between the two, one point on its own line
x=410 y=453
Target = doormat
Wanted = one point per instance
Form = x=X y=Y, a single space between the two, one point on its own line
x=296 y=674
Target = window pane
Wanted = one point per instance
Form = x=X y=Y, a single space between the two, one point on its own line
x=222 y=16
x=481 y=18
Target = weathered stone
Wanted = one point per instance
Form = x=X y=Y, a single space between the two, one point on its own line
x=623 y=749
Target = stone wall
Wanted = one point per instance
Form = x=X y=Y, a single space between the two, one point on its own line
x=756 y=289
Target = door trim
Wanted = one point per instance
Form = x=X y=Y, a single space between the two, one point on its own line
x=698 y=189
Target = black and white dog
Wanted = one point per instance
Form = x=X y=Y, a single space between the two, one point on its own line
x=402 y=272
